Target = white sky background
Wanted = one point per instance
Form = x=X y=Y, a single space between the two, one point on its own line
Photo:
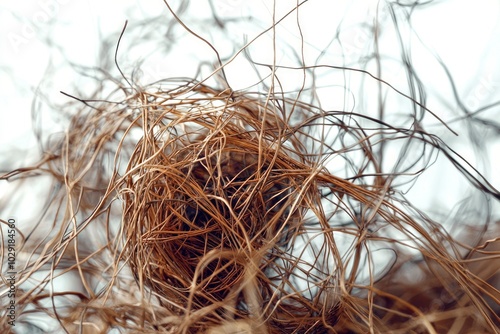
x=464 y=34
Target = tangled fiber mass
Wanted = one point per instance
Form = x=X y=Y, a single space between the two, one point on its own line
x=219 y=191
x=189 y=208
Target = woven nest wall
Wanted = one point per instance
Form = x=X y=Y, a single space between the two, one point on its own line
x=211 y=202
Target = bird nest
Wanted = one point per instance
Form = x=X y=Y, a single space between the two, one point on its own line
x=211 y=202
